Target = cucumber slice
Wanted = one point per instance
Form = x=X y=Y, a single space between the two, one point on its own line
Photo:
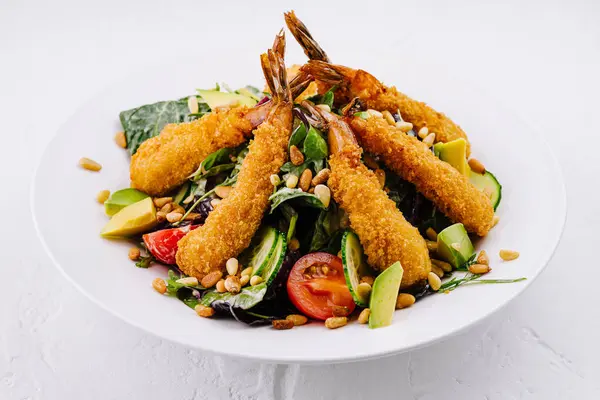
x=354 y=265
x=488 y=182
x=275 y=260
x=262 y=249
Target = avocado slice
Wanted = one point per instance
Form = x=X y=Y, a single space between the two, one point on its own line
x=133 y=219
x=384 y=295
x=460 y=253
x=121 y=199
x=454 y=153
x=216 y=99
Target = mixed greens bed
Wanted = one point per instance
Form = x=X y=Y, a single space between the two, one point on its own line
x=303 y=229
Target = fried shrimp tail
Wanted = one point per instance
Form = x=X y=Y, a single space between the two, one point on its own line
x=437 y=180
x=230 y=227
x=383 y=232
x=310 y=46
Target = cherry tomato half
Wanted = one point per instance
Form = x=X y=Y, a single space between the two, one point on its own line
x=315 y=292
x=163 y=244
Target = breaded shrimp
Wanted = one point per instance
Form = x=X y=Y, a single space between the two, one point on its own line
x=229 y=229
x=166 y=161
x=437 y=180
x=383 y=232
x=358 y=83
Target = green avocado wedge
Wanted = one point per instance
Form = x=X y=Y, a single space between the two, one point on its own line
x=121 y=199
x=131 y=220
x=454 y=245
x=384 y=296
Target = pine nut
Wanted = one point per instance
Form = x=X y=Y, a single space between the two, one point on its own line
x=434 y=281
x=211 y=279
x=388 y=117
x=220 y=286
x=476 y=166
x=364 y=315
x=178 y=209
x=247 y=271
x=191 y=216
x=431 y=246
x=223 y=191
x=367 y=279
x=244 y=280
x=167 y=208
x=479 y=269
x=188 y=199
x=437 y=270
x=323 y=107
x=159 y=285
x=335 y=322
x=370 y=162
x=374 y=113
x=282 y=324
x=423 y=132
x=324 y=194
x=294 y=244
x=233 y=284
x=455 y=246
x=405 y=300
x=446 y=267
x=256 y=280
x=275 y=180
x=159 y=202
x=404 y=126
x=495 y=220
x=364 y=289
x=193 y=104
x=509 y=255
x=431 y=234
x=297 y=319
x=89 y=164
x=102 y=196
x=134 y=254
x=340 y=311
x=161 y=216
x=204 y=311
x=380 y=174
x=482 y=258
x=174 y=217
x=291 y=181
x=429 y=139
x=305 y=180
x=232 y=266
x=215 y=202
x=121 y=140
x=321 y=177
x=296 y=155
x=188 y=281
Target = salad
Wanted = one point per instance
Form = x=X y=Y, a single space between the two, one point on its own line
x=326 y=196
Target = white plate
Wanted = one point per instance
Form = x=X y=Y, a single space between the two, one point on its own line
x=68 y=219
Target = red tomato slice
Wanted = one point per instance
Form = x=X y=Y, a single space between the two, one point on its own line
x=163 y=244
x=313 y=292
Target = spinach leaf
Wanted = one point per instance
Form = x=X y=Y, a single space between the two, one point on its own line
x=297 y=170
x=301 y=198
x=247 y=298
x=315 y=147
x=327 y=98
x=326 y=225
x=298 y=136
x=142 y=123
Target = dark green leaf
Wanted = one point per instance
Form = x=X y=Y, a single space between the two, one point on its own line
x=182 y=193
x=326 y=225
x=298 y=136
x=247 y=298
x=145 y=262
x=315 y=147
x=327 y=99
x=301 y=198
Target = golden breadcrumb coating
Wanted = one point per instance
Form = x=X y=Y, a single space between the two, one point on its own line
x=437 y=180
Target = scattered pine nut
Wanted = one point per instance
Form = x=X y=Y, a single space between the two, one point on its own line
x=495 y=220
x=405 y=300
x=215 y=202
x=296 y=155
x=364 y=289
x=232 y=266
x=297 y=319
x=192 y=216
x=431 y=234
x=431 y=246
x=404 y=126
x=244 y=279
x=247 y=271
x=102 y=196
x=211 y=279
x=188 y=199
x=434 y=281
x=256 y=280
x=335 y=322
x=174 y=217
x=121 y=140
x=193 y=104
x=89 y=164
x=482 y=258
x=367 y=279
x=134 y=254
x=476 y=166
x=380 y=174
x=340 y=311
x=429 y=139
x=437 y=270
x=455 y=246
x=374 y=113
x=188 y=281
x=223 y=191
x=324 y=194
x=388 y=117
x=275 y=180
x=233 y=284
x=479 y=269
x=161 y=201
x=364 y=315
x=305 y=180
x=283 y=324
x=159 y=285
x=509 y=255
x=446 y=267
x=178 y=209
x=220 y=286
x=291 y=181
x=423 y=132
x=161 y=216
x=167 y=208
x=203 y=311
x=294 y=244
x=321 y=177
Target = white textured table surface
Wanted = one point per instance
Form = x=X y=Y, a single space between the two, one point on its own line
x=540 y=58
